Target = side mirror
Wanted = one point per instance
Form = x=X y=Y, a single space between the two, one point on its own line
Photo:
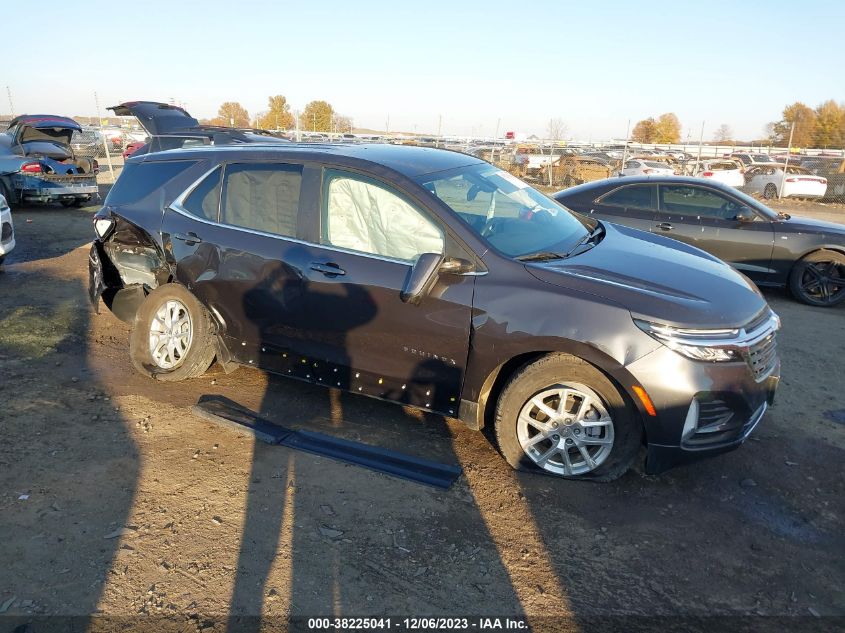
x=744 y=214
x=422 y=278
x=456 y=266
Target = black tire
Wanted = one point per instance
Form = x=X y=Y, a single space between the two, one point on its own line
x=770 y=191
x=562 y=369
x=200 y=353
x=819 y=279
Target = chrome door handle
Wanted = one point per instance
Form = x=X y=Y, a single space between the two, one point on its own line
x=329 y=269
x=189 y=238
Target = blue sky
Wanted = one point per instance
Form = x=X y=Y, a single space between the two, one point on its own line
x=593 y=64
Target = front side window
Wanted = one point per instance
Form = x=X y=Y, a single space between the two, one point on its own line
x=262 y=197
x=696 y=201
x=514 y=218
x=364 y=215
x=634 y=197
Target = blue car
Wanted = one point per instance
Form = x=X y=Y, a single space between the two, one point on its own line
x=38 y=164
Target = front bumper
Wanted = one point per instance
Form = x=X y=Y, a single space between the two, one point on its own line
x=702 y=408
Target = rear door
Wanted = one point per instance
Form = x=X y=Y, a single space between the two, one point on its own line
x=233 y=240
x=707 y=219
x=631 y=205
x=360 y=335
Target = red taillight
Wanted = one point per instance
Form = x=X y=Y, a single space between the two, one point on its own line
x=791 y=180
x=31 y=168
x=707 y=174
x=823 y=181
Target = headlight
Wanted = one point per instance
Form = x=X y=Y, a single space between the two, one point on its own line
x=103 y=226
x=716 y=346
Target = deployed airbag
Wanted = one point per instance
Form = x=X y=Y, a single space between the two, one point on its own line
x=365 y=217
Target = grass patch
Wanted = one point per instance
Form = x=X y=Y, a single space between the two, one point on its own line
x=32 y=333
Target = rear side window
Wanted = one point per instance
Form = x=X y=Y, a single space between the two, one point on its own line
x=262 y=197
x=204 y=201
x=635 y=197
x=139 y=180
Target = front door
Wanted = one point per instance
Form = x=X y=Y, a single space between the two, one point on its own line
x=361 y=335
x=708 y=219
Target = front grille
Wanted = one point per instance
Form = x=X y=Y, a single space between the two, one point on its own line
x=7 y=232
x=762 y=357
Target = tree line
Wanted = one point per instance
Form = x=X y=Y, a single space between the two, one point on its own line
x=816 y=128
x=316 y=116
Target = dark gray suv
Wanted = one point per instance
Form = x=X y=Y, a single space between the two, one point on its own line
x=434 y=279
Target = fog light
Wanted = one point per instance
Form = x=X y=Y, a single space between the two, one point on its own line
x=691 y=421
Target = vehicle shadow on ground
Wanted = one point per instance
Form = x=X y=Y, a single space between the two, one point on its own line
x=69 y=465
x=302 y=556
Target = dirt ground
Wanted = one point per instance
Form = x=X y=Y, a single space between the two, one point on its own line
x=117 y=501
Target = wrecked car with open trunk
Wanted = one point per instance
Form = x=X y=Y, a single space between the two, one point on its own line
x=436 y=280
x=38 y=162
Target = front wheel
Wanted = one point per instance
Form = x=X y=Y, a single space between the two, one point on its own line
x=173 y=335
x=561 y=416
x=819 y=279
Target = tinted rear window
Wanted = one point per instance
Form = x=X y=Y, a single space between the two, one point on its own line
x=634 y=196
x=138 y=180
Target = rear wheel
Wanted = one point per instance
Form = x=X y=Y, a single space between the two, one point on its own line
x=819 y=279
x=173 y=335
x=770 y=191
x=561 y=416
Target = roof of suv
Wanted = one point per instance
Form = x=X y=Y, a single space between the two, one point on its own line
x=408 y=160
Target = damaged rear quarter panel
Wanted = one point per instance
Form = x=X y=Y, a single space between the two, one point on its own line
x=138 y=200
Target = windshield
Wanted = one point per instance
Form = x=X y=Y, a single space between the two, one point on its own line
x=514 y=218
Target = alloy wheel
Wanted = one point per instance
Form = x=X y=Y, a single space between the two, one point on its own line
x=171 y=333
x=823 y=282
x=566 y=429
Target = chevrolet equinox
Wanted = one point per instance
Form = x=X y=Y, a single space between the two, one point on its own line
x=436 y=280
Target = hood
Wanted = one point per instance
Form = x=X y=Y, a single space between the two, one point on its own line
x=818 y=227
x=657 y=279
x=156 y=118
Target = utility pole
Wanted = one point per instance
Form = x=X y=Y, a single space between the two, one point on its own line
x=105 y=142
x=498 y=123
x=700 y=140
x=786 y=164
x=11 y=105
x=387 y=125
x=439 y=128
x=625 y=149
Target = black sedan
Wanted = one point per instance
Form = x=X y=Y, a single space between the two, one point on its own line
x=773 y=249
